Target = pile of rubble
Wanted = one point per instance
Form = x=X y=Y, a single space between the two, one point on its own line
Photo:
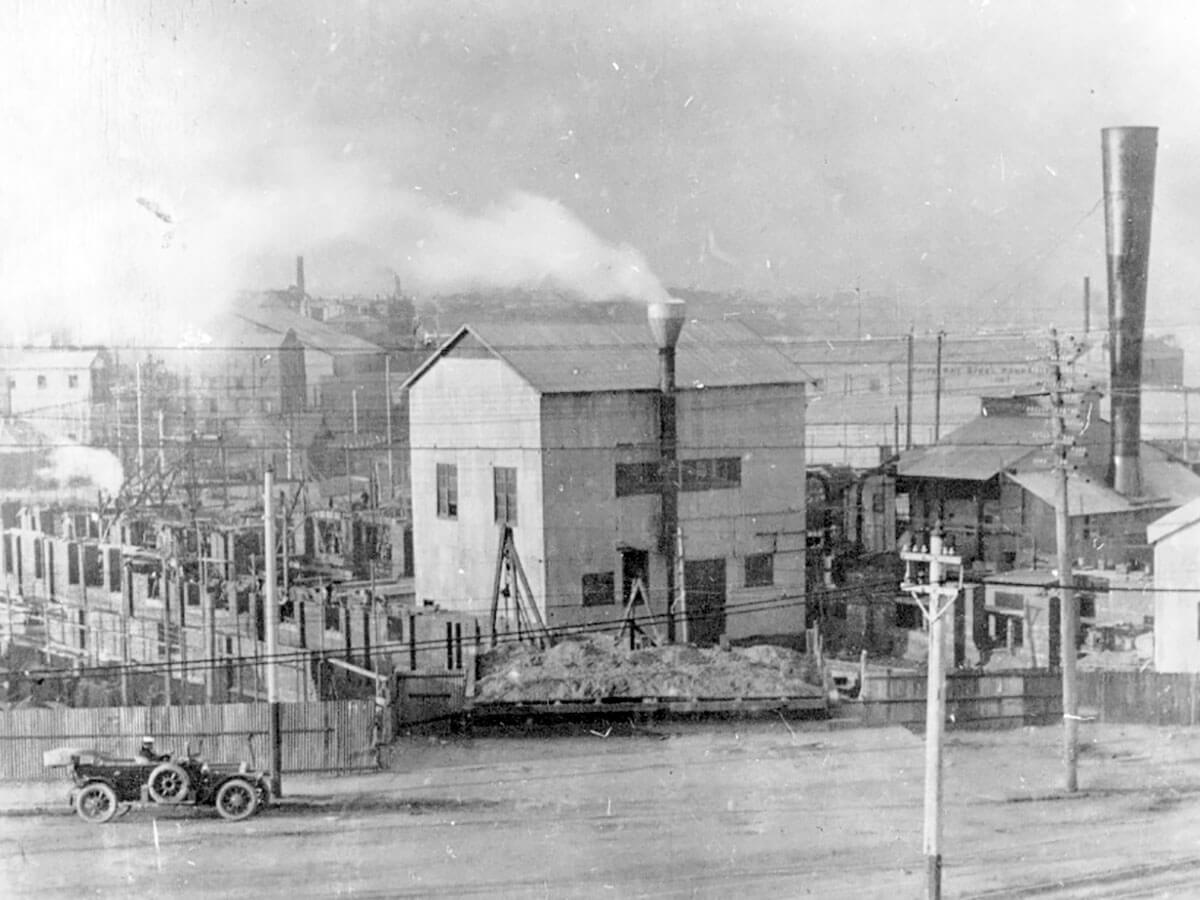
x=593 y=668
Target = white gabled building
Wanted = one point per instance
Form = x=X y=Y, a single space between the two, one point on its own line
x=1176 y=541
x=555 y=429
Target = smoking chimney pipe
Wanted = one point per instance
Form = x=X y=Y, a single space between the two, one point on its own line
x=666 y=321
x=1128 y=157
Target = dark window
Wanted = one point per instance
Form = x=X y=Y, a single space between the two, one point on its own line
x=447 y=491
x=504 y=491
x=1016 y=631
x=8 y=553
x=908 y=616
x=760 y=569
x=1087 y=606
x=598 y=589
x=38 y=561
x=710 y=474
x=637 y=478
x=72 y=563
x=72 y=381
x=41 y=382
x=1009 y=600
x=114 y=570
x=93 y=567
x=333 y=616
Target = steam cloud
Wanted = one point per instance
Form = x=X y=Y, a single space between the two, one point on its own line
x=72 y=465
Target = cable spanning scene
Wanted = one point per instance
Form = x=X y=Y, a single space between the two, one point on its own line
x=436 y=395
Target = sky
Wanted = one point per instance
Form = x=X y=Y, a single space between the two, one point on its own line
x=163 y=155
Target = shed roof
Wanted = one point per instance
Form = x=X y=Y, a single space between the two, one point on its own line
x=29 y=358
x=977 y=451
x=1176 y=520
x=561 y=359
x=270 y=315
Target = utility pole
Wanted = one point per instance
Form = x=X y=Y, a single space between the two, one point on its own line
x=1069 y=613
x=271 y=615
x=141 y=437
x=908 y=395
x=937 y=390
x=387 y=399
x=939 y=599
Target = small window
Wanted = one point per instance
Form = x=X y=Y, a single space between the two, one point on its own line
x=599 y=589
x=447 y=491
x=760 y=569
x=72 y=381
x=41 y=382
x=908 y=616
x=504 y=485
x=637 y=478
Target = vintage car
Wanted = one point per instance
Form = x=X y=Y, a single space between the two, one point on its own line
x=103 y=783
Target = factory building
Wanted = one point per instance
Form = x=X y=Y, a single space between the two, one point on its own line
x=561 y=435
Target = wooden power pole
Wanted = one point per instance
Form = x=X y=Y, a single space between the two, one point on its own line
x=938 y=600
x=1068 y=612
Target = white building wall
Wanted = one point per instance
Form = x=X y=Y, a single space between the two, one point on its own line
x=474 y=413
x=587 y=525
x=1176 y=613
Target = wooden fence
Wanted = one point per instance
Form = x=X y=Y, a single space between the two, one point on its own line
x=976 y=700
x=328 y=736
x=1151 y=698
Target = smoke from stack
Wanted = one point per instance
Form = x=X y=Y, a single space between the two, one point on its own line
x=1128 y=159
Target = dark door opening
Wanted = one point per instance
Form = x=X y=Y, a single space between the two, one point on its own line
x=704 y=584
x=635 y=564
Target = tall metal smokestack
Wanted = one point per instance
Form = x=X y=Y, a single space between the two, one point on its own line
x=666 y=321
x=1128 y=160
x=300 y=275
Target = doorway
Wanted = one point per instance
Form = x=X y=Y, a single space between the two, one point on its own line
x=704 y=585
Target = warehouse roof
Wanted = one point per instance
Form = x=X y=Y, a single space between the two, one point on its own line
x=30 y=358
x=978 y=450
x=560 y=359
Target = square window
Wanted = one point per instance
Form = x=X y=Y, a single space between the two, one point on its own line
x=598 y=589
x=72 y=381
x=760 y=569
x=41 y=381
x=447 y=491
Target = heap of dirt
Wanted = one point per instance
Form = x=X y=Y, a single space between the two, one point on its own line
x=593 y=668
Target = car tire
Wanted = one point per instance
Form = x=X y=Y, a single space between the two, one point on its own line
x=96 y=803
x=236 y=799
x=168 y=783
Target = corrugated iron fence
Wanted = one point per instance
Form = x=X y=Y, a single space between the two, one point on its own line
x=972 y=699
x=1150 y=698
x=328 y=736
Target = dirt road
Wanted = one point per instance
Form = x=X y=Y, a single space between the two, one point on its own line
x=765 y=809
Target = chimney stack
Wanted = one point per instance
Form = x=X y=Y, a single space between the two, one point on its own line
x=300 y=275
x=666 y=320
x=1128 y=158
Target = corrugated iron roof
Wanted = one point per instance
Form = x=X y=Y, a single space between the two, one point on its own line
x=1165 y=484
x=311 y=333
x=978 y=450
x=1085 y=496
x=557 y=359
x=30 y=358
x=1174 y=521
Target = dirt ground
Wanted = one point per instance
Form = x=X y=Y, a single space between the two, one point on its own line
x=767 y=808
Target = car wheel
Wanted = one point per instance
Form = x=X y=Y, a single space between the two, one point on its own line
x=236 y=799
x=96 y=803
x=168 y=783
